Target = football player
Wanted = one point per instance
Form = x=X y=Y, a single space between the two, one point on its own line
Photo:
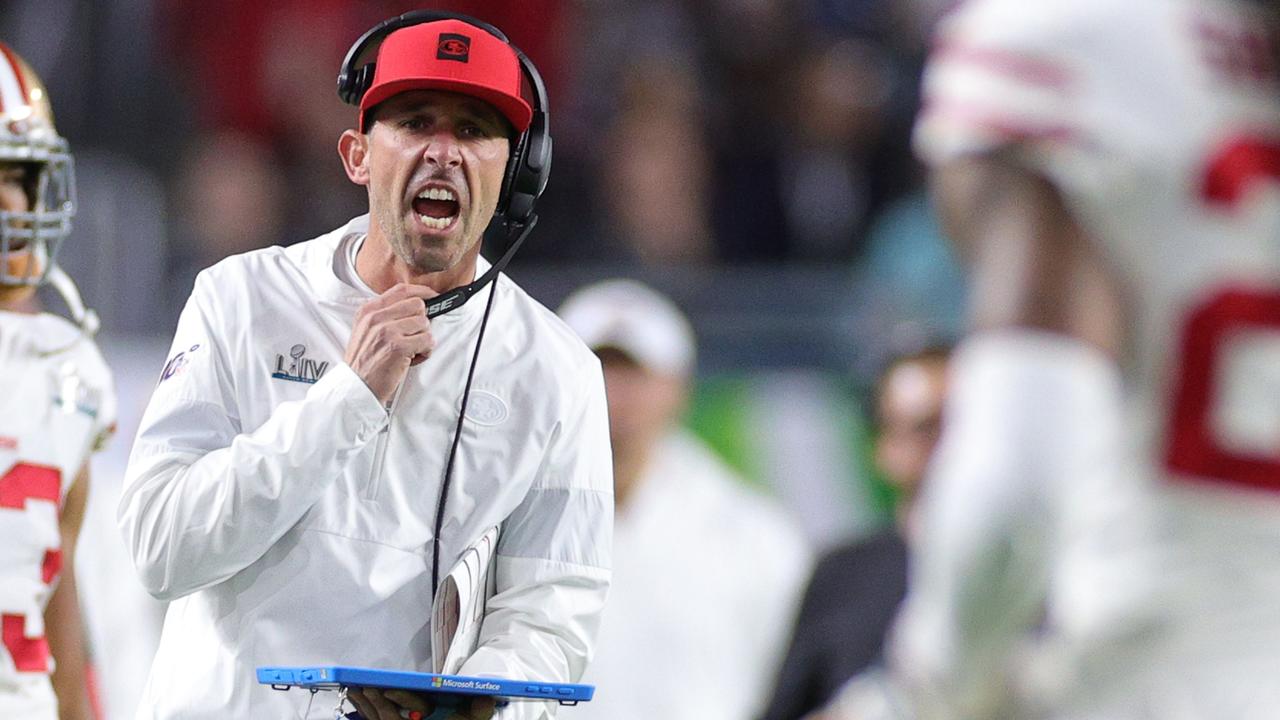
x=1107 y=491
x=56 y=407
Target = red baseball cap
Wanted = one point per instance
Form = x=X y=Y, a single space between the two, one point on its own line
x=455 y=56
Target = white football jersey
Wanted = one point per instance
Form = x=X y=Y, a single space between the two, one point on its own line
x=1159 y=121
x=57 y=406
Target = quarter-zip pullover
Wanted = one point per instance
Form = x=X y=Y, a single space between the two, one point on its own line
x=289 y=516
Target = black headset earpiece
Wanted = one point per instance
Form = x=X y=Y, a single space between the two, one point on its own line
x=527 y=177
x=529 y=167
x=353 y=87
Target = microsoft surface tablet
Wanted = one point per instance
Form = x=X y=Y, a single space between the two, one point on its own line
x=335 y=676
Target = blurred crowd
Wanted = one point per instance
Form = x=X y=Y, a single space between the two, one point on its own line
x=719 y=136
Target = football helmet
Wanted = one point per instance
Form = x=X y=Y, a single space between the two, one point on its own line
x=29 y=239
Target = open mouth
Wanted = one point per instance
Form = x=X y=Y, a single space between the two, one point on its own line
x=436 y=207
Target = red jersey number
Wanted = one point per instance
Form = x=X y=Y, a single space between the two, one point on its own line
x=20 y=483
x=1193 y=450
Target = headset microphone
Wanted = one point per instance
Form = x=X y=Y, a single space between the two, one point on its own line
x=458 y=296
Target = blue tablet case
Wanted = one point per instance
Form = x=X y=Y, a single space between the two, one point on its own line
x=321 y=677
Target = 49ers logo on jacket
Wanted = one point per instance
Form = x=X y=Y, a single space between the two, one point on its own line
x=298 y=367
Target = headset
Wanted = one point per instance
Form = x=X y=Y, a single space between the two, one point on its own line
x=529 y=166
x=526 y=176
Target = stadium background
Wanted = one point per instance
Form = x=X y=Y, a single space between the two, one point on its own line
x=748 y=157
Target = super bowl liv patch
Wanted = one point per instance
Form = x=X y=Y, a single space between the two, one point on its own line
x=298 y=367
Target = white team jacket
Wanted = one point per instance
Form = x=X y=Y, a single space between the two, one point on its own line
x=289 y=516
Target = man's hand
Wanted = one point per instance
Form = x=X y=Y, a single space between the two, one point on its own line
x=391 y=333
x=375 y=704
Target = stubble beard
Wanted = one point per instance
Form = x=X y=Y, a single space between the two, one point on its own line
x=423 y=257
x=420 y=257
x=431 y=254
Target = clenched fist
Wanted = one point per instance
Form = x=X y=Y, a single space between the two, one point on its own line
x=391 y=333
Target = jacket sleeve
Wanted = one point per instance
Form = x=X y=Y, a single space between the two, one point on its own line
x=203 y=497
x=554 y=557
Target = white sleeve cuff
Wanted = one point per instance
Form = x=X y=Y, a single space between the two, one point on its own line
x=355 y=410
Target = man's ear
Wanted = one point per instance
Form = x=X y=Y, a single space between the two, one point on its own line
x=353 y=146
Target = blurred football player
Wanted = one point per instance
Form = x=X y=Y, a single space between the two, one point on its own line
x=56 y=407
x=1107 y=491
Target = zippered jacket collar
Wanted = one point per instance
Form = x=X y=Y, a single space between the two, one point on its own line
x=319 y=259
